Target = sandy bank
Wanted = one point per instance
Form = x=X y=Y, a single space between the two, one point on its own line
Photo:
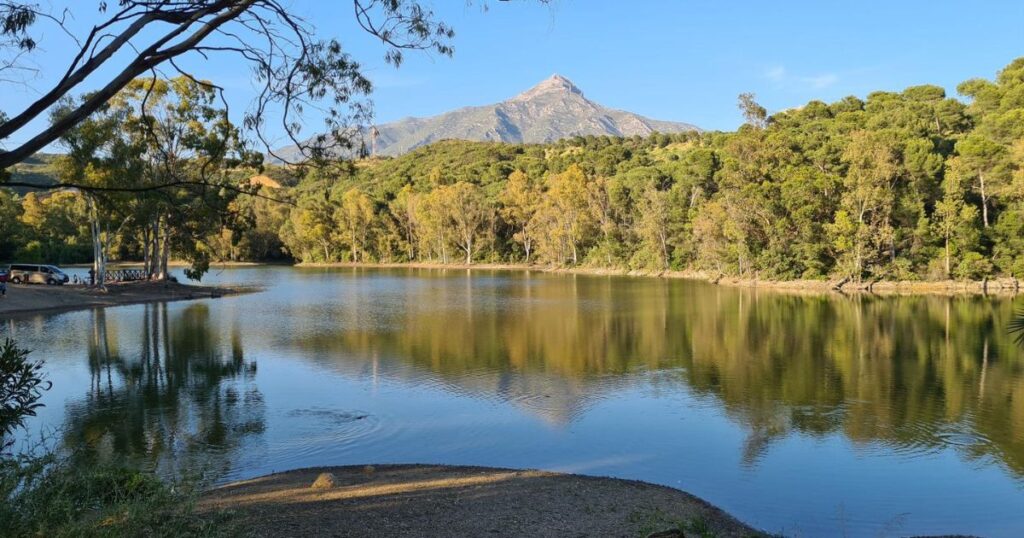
x=34 y=299
x=442 y=501
x=1002 y=286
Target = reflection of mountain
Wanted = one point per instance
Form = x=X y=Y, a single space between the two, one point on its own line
x=915 y=373
x=166 y=393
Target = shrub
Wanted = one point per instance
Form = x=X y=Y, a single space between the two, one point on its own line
x=47 y=496
x=973 y=266
x=21 y=386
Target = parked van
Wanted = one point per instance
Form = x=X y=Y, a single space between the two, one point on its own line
x=37 y=274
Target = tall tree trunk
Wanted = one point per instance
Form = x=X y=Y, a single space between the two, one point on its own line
x=663 y=236
x=145 y=251
x=857 y=264
x=410 y=237
x=984 y=200
x=99 y=266
x=154 y=260
x=947 y=256
x=527 y=243
x=166 y=250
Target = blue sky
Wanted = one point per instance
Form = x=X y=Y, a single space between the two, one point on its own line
x=673 y=60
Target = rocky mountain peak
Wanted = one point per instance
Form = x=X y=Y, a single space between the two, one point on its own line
x=554 y=84
x=551 y=110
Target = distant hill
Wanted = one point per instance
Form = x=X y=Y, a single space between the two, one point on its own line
x=552 y=110
x=36 y=170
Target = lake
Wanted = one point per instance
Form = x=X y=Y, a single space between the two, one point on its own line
x=800 y=414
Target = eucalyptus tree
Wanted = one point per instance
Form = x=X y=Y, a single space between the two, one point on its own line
x=309 y=229
x=565 y=219
x=469 y=214
x=185 y=139
x=654 y=227
x=863 y=226
x=293 y=66
x=98 y=158
x=355 y=217
x=403 y=210
x=955 y=221
x=755 y=114
x=520 y=200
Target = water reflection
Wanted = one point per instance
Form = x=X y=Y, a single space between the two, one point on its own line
x=915 y=374
x=782 y=408
x=1017 y=327
x=165 y=393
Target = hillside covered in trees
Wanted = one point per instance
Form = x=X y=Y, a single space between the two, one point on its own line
x=898 y=185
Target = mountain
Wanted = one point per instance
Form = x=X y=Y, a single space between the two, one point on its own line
x=549 y=111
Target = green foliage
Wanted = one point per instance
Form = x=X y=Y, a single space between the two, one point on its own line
x=149 y=177
x=46 y=496
x=49 y=228
x=21 y=386
x=900 y=185
x=656 y=521
x=906 y=185
x=1017 y=327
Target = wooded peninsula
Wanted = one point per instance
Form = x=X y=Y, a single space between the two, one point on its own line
x=911 y=185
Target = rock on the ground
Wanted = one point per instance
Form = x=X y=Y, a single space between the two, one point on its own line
x=324 y=481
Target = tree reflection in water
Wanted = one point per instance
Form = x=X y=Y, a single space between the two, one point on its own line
x=1017 y=327
x=915 y=374
x=905 y=375
x=169 y=395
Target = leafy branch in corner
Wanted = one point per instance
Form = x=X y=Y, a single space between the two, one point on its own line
x=21 y=386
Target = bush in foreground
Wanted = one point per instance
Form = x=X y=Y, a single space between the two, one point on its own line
x=47 y=496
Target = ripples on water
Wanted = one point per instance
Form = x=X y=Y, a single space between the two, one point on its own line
x=799 y=414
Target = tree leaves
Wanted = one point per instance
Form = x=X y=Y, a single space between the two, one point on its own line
x=21 y=386
x=1017 y=327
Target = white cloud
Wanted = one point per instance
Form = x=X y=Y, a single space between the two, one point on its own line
x=776 y=74
x=783 y=79
x=821 y=81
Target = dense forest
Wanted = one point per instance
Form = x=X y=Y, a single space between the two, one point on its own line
x=899 y=185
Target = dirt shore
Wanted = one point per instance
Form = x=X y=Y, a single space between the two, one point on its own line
x=443 y=501
x=1001 y=286
x=24 y=299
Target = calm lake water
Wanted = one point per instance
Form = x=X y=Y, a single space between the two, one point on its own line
x=805 y=415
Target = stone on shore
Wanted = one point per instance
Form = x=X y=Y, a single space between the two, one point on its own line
x=324 y=481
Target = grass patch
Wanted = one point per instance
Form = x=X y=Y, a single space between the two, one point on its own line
x=55 y=497
x=656 y=521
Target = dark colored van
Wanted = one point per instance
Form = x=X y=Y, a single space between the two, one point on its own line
x=30 y=273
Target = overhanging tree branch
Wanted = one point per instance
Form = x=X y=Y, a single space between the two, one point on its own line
x=295 y=68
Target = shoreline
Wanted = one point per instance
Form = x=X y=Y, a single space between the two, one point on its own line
x=443 y=500
x=32 y=299
x=1001 y=286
